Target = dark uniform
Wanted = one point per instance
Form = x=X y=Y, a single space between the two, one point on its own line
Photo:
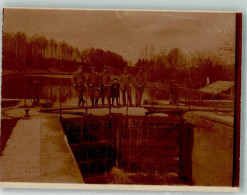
x=139 y=83
x=106 y=87
x=174 y=97
x=78 y=82
x=94 y=87
x=125 y=82
x=115 y=91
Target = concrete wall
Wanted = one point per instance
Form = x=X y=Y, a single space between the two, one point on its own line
x=212 y=152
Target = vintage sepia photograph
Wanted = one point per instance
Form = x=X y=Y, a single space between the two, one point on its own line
x=120 y=97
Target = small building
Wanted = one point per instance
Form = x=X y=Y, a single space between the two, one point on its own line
x=218 y=90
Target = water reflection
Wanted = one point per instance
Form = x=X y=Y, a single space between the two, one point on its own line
x=41 y=87
x=53 y=88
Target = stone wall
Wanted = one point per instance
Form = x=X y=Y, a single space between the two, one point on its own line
x=212 y=152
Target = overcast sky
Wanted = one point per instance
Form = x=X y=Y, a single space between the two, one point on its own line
x=125 y=32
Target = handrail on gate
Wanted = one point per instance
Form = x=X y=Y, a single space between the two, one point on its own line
x=60 y=103
x=86 y=100
x=185 y=92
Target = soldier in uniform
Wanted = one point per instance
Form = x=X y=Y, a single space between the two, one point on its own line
x=106 y=86
x=139 y=83
x=173 y=93
x=94 y=87
x=115 y=91
x=78 y=82
x=125 y=85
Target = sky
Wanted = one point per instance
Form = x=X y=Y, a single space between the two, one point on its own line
x=125 y=32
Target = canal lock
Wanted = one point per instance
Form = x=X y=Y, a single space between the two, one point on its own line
x=151 y=145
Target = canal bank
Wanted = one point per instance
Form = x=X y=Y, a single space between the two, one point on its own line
x=212 y=159
x=36 y=151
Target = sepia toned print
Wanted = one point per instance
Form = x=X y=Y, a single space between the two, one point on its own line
x=120 y=97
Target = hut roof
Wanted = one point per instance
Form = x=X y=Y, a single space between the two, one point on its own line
x=217 y=87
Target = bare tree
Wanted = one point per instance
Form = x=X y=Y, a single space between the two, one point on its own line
x=53 y=48
x=176 y=59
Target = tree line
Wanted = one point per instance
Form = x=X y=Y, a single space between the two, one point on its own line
x=187 y=71
x=38 y=53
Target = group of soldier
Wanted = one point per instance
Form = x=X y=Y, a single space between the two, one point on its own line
x=105 y=87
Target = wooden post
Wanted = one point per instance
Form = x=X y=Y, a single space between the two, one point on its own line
x=185 y=155
x=46 y=103
x=127 y=105
x=60 y=104
x=110 y=108
x=81 y=129
x=118 y=127
x=153 y=102
x=86 y=99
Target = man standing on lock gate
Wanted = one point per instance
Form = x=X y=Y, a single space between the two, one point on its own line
x=115 y=91
x=174 y=96
x=94 y=87
x=125 y=85
x=106 y=86
x=139 y=83
x=79 y=82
